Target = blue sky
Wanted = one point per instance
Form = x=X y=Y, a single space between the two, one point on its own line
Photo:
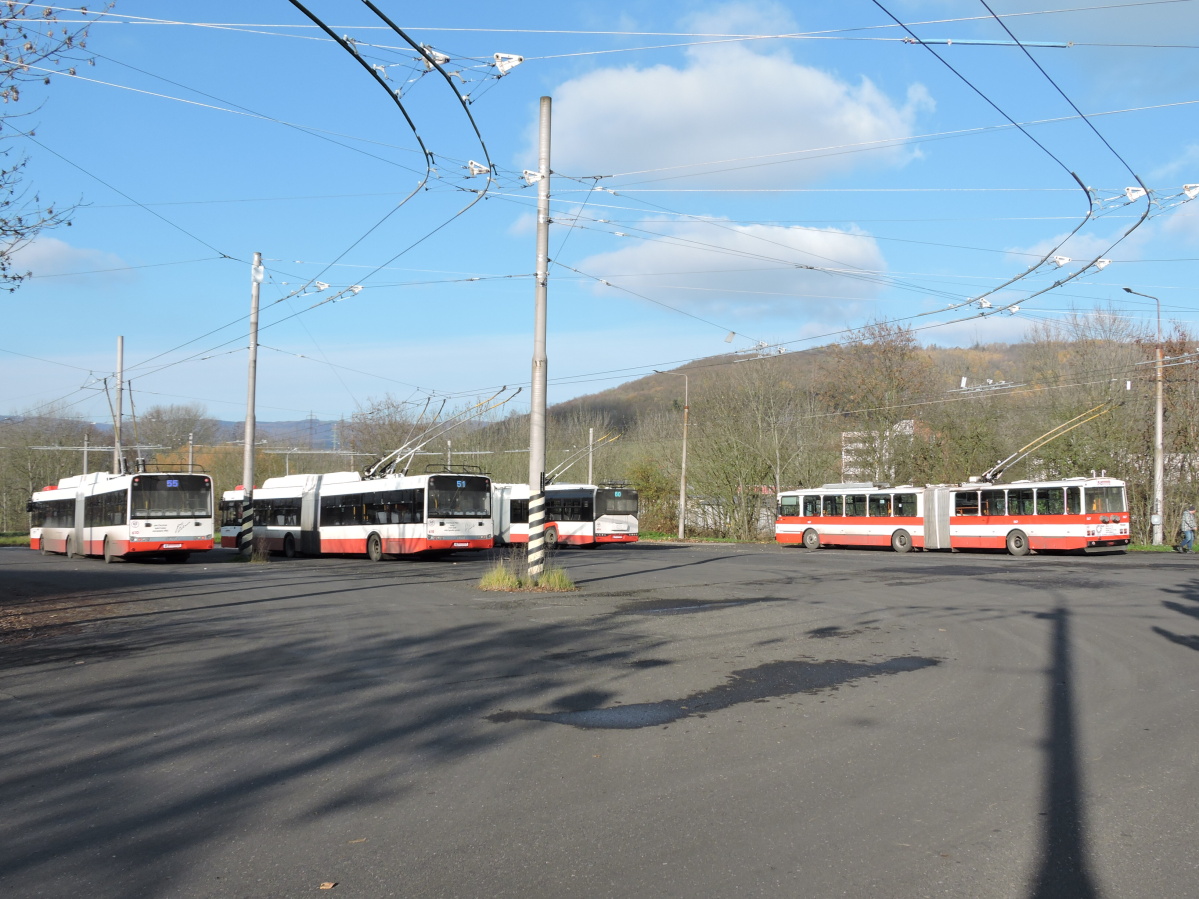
x=783 y=188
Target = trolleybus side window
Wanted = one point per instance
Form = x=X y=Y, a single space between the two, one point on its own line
x=789 y=506
x=1073 y=500
x=855 y=504
x=880 y=505
x=965 y=502
x=55 y=513
x=1051 y=501
x=569 y=508
x=1106 y=499
x=520 y=511
x=811 y=506
x=832 y=506
x=1019 y=502
x=905 y=504
x=993 y=502
x=105 y=509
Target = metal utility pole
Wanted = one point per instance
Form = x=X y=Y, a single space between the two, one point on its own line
x=683 y=467
x=191 y=452
x=85 y=449
x=116 y=422
x=539 y=383
x=245 y=537
x=591 y=455
x=1159 y=455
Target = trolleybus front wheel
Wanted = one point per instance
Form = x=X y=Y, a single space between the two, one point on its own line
x=374 y=548
x=1017 y=543
x=901 y=541
x=811 y=540
x=109 y=555
x=289 y=547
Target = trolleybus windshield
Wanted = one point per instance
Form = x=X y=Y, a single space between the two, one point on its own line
x=1106 y=499
x=459 y=496
x=615 y=502
x=171 y=496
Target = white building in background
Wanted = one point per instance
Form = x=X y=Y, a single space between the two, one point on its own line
x=866 y=455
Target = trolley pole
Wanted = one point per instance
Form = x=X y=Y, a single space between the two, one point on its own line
x=117 y=468
x=539 y=382
x=245 y=537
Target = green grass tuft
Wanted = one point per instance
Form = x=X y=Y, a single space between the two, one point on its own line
x=510 y=574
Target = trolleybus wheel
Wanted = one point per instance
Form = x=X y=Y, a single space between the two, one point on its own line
x=374 y=548
x=901 y=541
x=1017 y=543
x=811 y=540
x=45 y=547
x=109 y=555
x=70 y=547
x=551 y=538
x=289 y=547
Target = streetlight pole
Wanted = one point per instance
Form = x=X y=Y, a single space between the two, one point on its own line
x=683 y=474
x=1159 y=464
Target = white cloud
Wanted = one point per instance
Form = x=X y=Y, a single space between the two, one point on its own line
x=745 y=270
x=729 y=101
x=49 y=256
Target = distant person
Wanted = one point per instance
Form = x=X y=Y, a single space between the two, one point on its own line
x=1189 y=522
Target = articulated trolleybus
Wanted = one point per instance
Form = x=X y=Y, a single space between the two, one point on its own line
x=396 y=514
x=130 y=516
x=1081 y=514
x=575 y=514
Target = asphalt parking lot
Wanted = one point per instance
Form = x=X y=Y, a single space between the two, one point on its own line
x=697 y=720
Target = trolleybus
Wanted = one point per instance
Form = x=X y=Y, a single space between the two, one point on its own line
x=124 y=516
x=1082 y=514
x=345 y=513
x=575 y=514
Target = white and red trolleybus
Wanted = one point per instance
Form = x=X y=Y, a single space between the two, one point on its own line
x=229 y=512
x=124 y=516
x=343 y=512
x=575 y=514
x=1083 y=514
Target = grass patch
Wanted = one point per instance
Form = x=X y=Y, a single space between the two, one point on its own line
x=1149 y=548
x=510 y=574
x=14 y=539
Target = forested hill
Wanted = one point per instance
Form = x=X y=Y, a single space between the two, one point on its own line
x=623 y=405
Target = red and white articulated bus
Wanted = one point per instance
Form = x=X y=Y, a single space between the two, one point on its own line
x=575 y=514
x=230 y=515
x=345 y=513
x=1080 y=514
x=139 y=515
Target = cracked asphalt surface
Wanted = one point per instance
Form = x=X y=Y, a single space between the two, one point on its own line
x=697 y=720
